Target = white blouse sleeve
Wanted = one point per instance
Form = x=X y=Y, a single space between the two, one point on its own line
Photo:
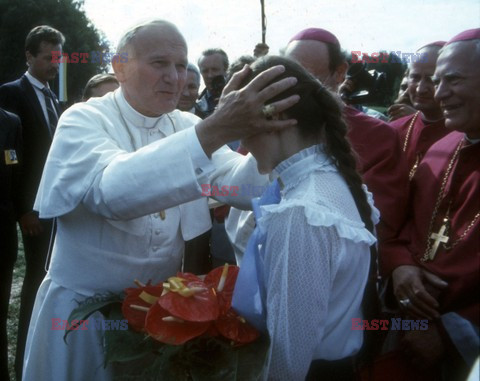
x=300 y=263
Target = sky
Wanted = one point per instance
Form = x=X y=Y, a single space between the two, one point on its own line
x=235 y=25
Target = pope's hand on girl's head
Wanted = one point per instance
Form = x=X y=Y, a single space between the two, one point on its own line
x=239 y=111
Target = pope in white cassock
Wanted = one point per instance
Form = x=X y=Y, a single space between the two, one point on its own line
x=123 y=178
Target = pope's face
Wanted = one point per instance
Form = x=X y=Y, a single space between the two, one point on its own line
x=154 y=75
x=457 y=79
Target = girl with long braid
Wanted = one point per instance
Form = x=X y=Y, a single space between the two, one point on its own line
x=314 y=240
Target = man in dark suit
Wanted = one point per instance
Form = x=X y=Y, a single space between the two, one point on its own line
x=10 y=159
x=31 y=99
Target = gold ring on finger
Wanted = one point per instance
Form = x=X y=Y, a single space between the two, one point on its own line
x=268 y=111
x=404 y=302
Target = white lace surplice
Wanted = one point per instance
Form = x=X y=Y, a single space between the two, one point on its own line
x=316 y=266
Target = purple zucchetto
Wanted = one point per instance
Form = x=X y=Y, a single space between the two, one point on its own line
x=316 y=34
x=466 y=35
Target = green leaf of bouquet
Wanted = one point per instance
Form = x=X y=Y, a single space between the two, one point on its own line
x=245 y=363
x=90 y=305
x=210 y=359
x=160 y=364
x=252 y=359
x=126 y=345
x=122 y=346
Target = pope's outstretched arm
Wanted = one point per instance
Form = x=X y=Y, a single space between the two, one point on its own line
x=94 y=157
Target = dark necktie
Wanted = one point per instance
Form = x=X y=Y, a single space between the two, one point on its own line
x=52 y=115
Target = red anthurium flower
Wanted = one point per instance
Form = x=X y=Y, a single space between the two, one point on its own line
x=212 y=331
x=189 y=276
x=234 y=327
x=223 y=280
x=141 y=298
x=189 y=300
x=162 y=326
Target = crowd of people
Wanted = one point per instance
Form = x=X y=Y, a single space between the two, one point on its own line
x=362 y=218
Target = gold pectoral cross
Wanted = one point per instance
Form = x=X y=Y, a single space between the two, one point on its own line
x=437 y=237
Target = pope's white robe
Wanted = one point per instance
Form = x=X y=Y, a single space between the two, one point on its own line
x=109 y=174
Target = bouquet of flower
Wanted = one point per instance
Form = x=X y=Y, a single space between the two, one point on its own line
x=181 y=329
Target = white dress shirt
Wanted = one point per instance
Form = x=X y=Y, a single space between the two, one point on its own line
x=38 y=87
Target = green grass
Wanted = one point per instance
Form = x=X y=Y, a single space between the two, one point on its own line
x=14 y=309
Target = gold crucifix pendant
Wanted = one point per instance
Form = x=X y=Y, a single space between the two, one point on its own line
x=437 y=237
x=162 y=215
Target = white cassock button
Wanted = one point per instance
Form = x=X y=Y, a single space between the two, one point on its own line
x=156 y=215
x=155 y=248
x=158 y=231
x=198 y=171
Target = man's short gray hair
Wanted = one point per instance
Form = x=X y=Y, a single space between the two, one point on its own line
x=191 y=67
x=212 y=51
x=126 y=43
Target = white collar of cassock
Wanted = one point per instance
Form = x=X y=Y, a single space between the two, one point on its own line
x=133 y=116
